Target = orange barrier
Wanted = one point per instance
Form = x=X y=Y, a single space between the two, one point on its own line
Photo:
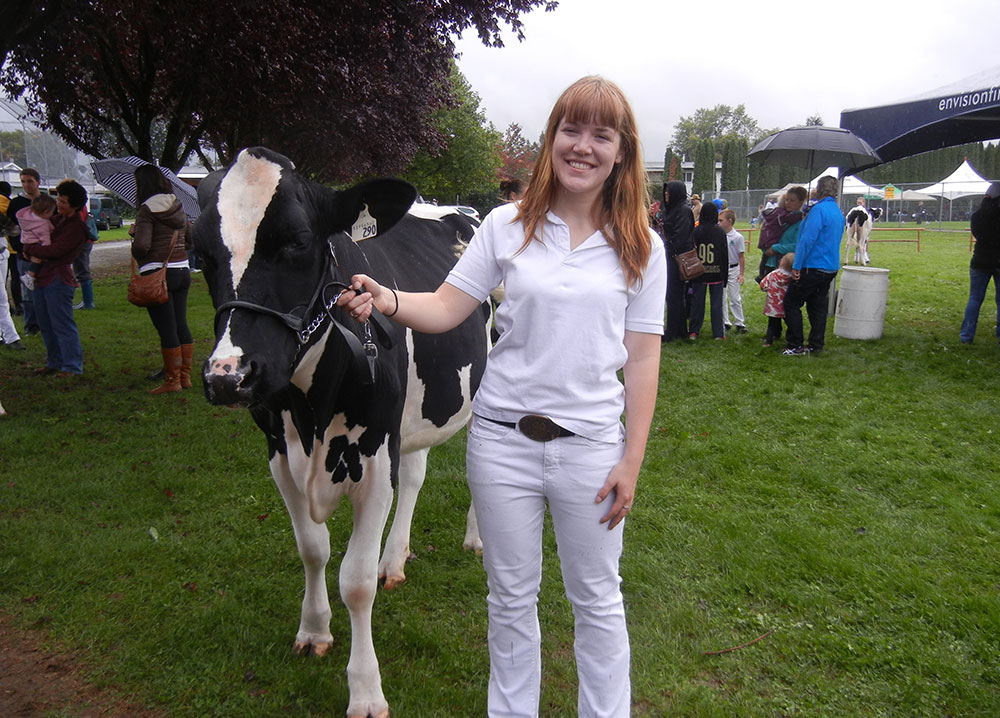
x=918 y=230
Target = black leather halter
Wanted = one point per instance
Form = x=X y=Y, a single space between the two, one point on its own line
x=362 y=355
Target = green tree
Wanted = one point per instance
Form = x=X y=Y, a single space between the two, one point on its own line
x=704 y=167
x=470 y=161
x=343 y=88
x=814 y=121
x=719 y=123
x=734 y=165
x=671 y=166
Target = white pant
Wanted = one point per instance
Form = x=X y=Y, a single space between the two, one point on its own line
x=735 y=303
x=7 y=329
x=511 y=478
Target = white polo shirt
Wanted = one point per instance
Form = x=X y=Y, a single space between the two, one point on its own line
x=737 y=246
x=562 y=322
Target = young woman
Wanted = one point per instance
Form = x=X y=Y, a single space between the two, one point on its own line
x=585 y=279
x=160 y=215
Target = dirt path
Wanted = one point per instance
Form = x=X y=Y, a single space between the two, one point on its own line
x=36 y=681
x=108 y=258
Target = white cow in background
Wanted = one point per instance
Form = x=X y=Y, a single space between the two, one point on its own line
x=859 y=228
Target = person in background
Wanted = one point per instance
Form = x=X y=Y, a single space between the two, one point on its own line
x=736 y=247
x=713 y=251
x=776 y=285
x=677 y=221
x=775 y=221
x=791 y=219
x=8 y=229
x=985 y=264
x=8 y=332
x=30 y=189
x=585 y=279
x=81 y=267
x=160 y=215
x=817 y=260
x=55 y=283
x=512 y=190
x=696 y=207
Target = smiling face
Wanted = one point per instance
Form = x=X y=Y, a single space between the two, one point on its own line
x=63 y=206
x=583 y=157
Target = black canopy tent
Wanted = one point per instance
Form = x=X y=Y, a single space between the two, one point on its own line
x=965 y=111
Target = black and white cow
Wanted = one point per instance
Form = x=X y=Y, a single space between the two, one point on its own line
x=859 y=229
x=347 y=410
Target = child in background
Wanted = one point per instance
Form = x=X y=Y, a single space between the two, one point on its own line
x=737 y=263
x=776 y=284
x=36 y=228
x=713 y=251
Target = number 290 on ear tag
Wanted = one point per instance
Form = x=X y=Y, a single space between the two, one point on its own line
x=365 y=227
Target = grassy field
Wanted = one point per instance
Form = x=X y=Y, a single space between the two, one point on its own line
x=844 y=506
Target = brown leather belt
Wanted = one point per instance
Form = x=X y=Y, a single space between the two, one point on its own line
x=536 y=427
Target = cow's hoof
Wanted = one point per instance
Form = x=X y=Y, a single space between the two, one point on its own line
x=311 y=648
x=383 y=714
x=475 y=546
x=392 y=582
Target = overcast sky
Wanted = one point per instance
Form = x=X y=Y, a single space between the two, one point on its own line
x=784 y=61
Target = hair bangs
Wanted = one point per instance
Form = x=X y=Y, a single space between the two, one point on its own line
x=592 y=102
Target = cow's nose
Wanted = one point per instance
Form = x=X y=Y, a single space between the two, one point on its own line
x=227 y=381
x=221 y=367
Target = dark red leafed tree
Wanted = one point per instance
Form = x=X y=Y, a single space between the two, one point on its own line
x=344 y=88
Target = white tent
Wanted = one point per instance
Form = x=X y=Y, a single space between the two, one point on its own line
x=963 y=182
x=850 y=184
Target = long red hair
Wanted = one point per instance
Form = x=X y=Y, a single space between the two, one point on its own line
x=624 y=205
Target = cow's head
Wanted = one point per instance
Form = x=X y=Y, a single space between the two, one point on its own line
x=265 y=236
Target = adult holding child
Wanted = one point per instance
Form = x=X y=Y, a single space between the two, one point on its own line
x=817 y=260
x=585 y=279
x=55 y=282
x=160 y=235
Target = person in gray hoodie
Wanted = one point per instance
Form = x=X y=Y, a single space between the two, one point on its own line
x=160 y=215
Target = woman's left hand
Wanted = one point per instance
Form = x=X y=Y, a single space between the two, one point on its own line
x=621 y=482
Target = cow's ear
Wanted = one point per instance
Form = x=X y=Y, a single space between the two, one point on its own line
x=207 y=187
x=387 y=201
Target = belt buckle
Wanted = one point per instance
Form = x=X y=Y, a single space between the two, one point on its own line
x=539 y=428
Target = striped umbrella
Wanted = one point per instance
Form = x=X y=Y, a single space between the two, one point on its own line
x=118 y=175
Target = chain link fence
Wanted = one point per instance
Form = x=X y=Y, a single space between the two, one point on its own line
x=909 y=206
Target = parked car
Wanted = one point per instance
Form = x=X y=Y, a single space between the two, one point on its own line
x=105 y=212
x=468 y=211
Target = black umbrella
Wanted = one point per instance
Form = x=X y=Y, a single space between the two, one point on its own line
x=814 y=146
x=118 y=175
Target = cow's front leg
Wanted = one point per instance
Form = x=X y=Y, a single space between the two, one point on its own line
x=412 y=470
x=313 y=540
x=372 y=499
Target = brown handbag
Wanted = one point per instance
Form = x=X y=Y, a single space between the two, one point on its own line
x=689 y=265
x=147 y=289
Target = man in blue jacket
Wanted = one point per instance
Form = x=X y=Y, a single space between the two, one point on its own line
x=817 y=259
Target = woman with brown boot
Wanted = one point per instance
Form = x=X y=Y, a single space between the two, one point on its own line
x=160 y=216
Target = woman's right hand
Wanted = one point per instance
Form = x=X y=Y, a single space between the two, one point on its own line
x=366 y=294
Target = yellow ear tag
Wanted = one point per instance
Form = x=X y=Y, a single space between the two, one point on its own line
x=365 y=227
